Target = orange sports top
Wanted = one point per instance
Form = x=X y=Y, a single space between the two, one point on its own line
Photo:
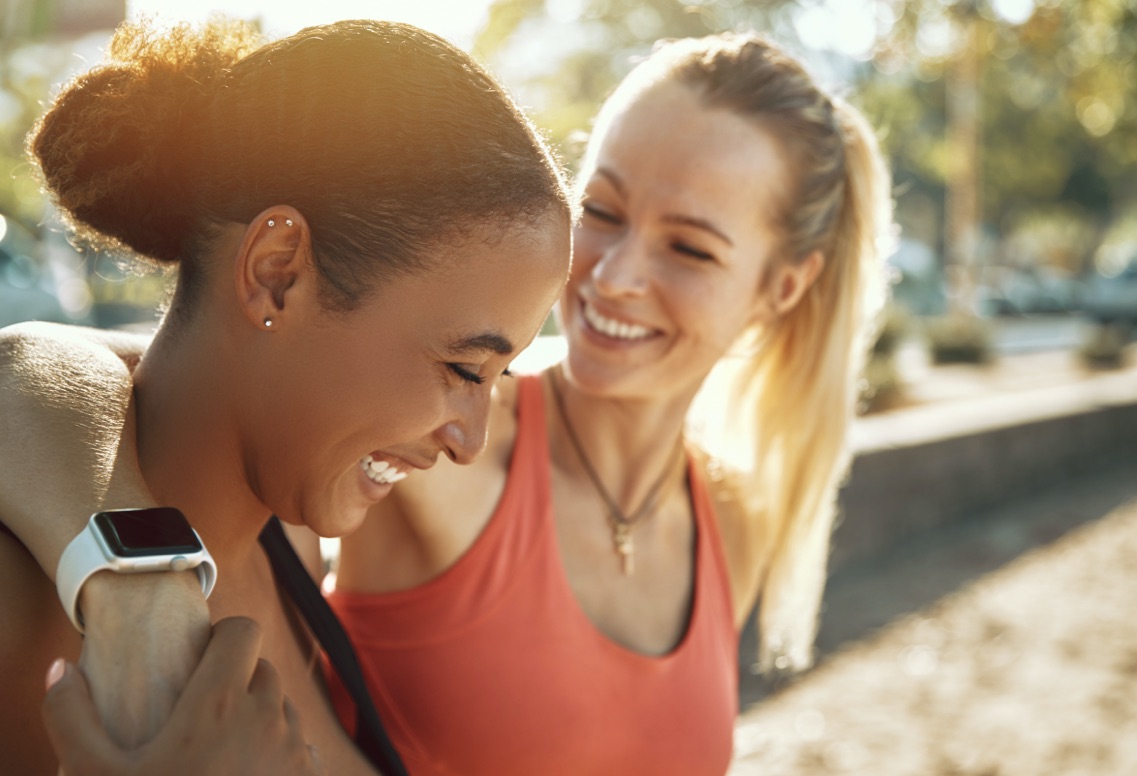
x=493 y=669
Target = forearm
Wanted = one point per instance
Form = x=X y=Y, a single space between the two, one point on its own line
x=67 y=450
x=65 y=408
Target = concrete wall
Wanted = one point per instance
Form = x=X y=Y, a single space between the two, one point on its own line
x=895 y=493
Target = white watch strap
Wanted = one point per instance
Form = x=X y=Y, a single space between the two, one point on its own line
x=87 y=554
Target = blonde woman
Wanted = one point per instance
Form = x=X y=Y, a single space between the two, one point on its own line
x=571 y=602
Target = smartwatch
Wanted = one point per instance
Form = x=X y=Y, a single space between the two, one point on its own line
x=131 y=541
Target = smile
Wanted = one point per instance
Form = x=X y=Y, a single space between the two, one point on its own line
x=613 y=328
x=381 y=472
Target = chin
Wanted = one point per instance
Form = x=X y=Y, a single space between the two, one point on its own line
x=600 y=380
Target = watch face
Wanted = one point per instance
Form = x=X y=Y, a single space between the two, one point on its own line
x=139 y=532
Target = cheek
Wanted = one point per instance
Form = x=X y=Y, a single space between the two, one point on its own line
x=588 y=246
x=715 y=312
x=372 y=396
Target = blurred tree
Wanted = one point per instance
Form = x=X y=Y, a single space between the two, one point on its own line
x=1054 y=128
x=22 y=91
x=37 y=40
x=569 y=54
x=1041 y=86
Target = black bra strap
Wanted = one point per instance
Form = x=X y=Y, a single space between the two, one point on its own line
x=370 y=736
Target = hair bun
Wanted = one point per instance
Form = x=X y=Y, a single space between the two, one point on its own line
x=117 y=148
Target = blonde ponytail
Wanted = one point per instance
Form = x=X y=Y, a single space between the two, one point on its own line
x=785 y=425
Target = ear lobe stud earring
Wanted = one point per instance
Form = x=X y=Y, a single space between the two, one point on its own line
x=268 y=323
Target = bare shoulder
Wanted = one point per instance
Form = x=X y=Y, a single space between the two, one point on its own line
x=33 y=632
x=745 y=547
x=43 y=343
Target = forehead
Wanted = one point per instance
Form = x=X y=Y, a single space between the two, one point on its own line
x=694 y=156
x=496 y=279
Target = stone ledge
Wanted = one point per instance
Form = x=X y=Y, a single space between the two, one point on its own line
x=920 y=468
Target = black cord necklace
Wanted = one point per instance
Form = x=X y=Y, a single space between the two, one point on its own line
x=620 y=523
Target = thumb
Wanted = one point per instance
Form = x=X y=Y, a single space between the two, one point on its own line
x=77 y=734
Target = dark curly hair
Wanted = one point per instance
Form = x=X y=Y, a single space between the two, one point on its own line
x=387 y=138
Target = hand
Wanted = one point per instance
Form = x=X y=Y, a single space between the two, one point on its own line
x=232 y=718
x=145 y=635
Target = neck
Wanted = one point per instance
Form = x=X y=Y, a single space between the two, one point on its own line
x=189 y=444
x=630 y=443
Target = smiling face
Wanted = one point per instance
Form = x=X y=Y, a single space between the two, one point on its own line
x=676 y=246
x=351 y=403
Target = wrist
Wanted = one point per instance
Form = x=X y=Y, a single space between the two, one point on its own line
x=131 y=541
x=109 y=601
x=144 y=634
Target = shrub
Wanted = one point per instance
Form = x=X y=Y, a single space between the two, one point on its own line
x=1104 y=347
x=959 y=338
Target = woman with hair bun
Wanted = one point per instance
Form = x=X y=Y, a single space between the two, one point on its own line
x=571 y=602
x=366 y=230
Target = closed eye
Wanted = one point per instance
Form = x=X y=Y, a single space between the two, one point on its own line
x=692 y=252
x=599 y=213
x=466 y=374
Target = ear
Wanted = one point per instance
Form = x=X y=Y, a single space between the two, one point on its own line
x=273 y=269
x=789 y=282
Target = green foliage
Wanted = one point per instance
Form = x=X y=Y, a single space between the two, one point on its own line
x=892 y=329
x=881 y=386
x=25 y=78
x=1104 y=347
x=1059 y=133
x=566 y=94
x=959 y=338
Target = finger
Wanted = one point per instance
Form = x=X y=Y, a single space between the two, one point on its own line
x=266 y=687
x=77 y=734
x=229 y=660
x=291 y=714
x=292 y=717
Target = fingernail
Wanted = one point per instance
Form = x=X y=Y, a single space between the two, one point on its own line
x=56 y=671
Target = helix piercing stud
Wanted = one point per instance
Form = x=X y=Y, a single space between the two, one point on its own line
x=271 y=222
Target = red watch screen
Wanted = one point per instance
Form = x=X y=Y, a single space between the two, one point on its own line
x=139 y=532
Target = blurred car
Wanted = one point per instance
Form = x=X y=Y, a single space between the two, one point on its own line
x=36 y=285
x=1027 y=291
x=1112 y=298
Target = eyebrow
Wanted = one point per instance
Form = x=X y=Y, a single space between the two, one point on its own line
x=486 y=341
x=671 y=218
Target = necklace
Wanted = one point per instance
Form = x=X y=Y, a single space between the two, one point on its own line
x=620 y=523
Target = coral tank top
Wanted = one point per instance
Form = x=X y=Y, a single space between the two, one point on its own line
x=493 y=669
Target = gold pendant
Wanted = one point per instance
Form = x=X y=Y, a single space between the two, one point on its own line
x=625 y=548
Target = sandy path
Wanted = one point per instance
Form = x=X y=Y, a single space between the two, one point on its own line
x=1030 y=670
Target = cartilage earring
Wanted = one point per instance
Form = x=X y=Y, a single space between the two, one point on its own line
x=288 y=222
x=271 y=222
x=268 y=323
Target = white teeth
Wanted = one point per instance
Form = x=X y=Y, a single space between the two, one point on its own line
x=612 y=328
x=381 y=472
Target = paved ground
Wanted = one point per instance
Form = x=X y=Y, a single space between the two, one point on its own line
x=1003 y=645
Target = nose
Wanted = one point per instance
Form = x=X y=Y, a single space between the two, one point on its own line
x=622 y=269
x=464 y=437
